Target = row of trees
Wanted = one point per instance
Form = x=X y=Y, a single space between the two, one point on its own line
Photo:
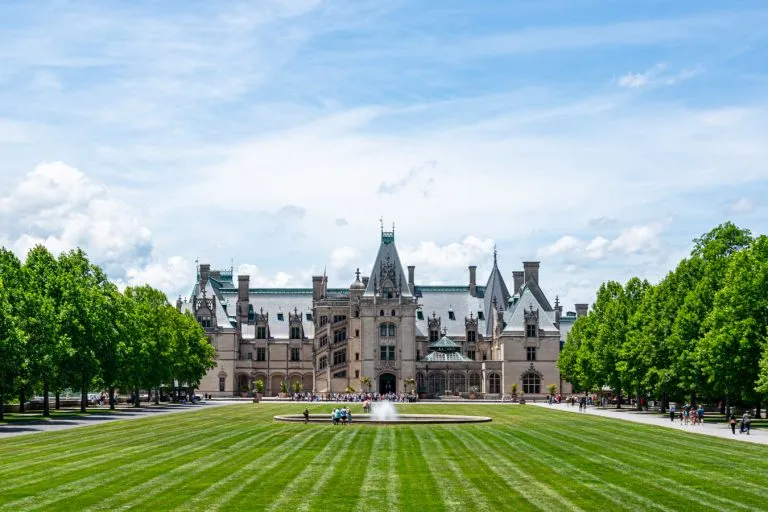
x=63 y=325
x=699 y=334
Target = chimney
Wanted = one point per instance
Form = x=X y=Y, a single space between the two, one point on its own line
x=473 y=280
x=581 y=310
x=411 y=272
x=317 y=288
x=558 y=311
x=243 y=284
x=518 y=278
x=531 y=271
x=205 y=269
x=178 y=304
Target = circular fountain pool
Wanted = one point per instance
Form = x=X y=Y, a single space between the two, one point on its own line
x=400 y=419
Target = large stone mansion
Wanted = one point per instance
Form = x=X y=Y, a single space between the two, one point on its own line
x=385 y=327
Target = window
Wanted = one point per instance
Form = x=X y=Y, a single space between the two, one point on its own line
x=531 y=383
x=392 y=330
x=494 y=383
x=295 y=333
x=480 y=315
x=530 y=331
x=485 y=355
x=295 y=354
x=471 y=354
x=222 y=383
x=323 y=362
x=458 y=382
x=261 y=333
x=393 y=312
x=357 y=356
x=434 y=335
x=474 y=381
x=420 y=382
x=387 y=330
x=340 y=356
x=261 y=353
x=309 y=317
x=323 y=320
x=436 y=384
x=420 y=314
x=323 y=341
x=530 y=353
x=339 y=335
x=250 y=355
x=418 y=355
x=387 y=352
x=280 y=317
x=340 y=375
x=471 y=336
x=451 y=315
x=357 y=333
x=381 y=313
x=382 y=330
x=205 y=322
x=339 y=318
x=357 y=374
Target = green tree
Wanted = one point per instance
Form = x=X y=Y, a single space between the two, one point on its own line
x=12 y=348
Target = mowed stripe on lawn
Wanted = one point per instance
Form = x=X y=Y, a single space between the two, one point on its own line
x=237 y=457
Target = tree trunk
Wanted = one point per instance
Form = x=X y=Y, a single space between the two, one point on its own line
x=57 y=404
x=157 y=396
x=22 y=399
x=693 y=397
x=757 y=410
x=664 y=402
x=727 y=406
x=83 y=396
x=618 y=398
x=46 y=400
x=136 y=397
x=638 y=402
x=2 y=407
x=111 y=398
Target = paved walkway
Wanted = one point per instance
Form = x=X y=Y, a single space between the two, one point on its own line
x=18 y=428
x=723 y=430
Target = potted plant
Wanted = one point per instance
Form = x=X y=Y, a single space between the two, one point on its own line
x=350 y=389
x=421 y=392
x=244 y=391
x=522 y=398
x=298 y=387
x=409 y=382
x=258 y=390
x=366 y=381
x=513 y=390
x=552 y=389
x=283 y=390
x=473 y=391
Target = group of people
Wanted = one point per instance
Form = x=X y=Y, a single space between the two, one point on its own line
x=746 y=422
x=689 y=414
x=341 y=415
x=350 y=397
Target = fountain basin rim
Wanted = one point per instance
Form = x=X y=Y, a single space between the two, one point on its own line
x=402 y=419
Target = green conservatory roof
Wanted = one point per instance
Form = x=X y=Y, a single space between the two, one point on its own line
x=456 y=357
x=444 y=344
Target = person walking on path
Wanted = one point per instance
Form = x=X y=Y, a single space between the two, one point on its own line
x=306 y=415
x=732 y=422
x=672 y=413
x=746 y=420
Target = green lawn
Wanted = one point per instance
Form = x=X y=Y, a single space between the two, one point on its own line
x=238 y=458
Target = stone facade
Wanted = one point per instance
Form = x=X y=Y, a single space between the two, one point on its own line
x=384 y=327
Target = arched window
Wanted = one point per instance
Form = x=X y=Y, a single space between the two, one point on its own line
x=393 y=312
x=474 y=381
x=531 y=383
x=494 y=383
x=391 y=330
x=458 y=382
x=420 y=382
x=436 y=384
x=381 y=313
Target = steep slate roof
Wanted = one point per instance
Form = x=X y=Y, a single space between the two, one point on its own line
x=442 y=299
x=515 y=316
x=496 y=288
x=388 y=268
x=213 y=290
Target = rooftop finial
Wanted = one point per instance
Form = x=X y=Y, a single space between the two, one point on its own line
x=381 y=221
x=357 y=274
x=557 y=300
x=393 y=227
x=494 y=254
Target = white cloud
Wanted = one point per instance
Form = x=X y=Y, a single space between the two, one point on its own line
x=261 y=279
x=636 y=239
x=343 y=256
x=170 y=276
x=657 y=75
x=742 y=205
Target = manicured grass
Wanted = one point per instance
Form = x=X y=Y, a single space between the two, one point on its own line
x=238 y=458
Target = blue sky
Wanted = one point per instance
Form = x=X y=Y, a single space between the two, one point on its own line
x=599 y=137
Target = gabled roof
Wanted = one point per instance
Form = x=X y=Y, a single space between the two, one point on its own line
x=440 y=301
x=387 y=270
x=496 y=288
x=444 y=344
x=514 y=318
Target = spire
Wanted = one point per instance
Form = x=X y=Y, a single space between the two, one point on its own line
x=495 y=263
x=357 y=274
